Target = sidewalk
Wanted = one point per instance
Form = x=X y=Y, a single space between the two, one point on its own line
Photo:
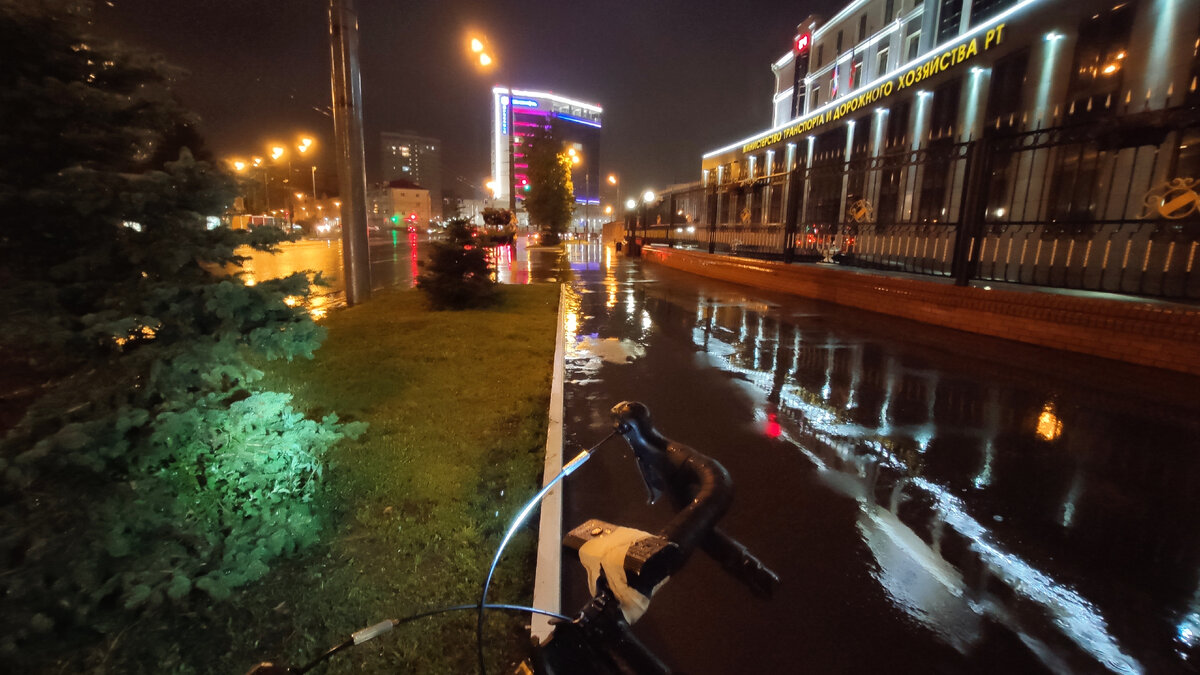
x=1136 y=330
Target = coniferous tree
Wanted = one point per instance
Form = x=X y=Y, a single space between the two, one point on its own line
x=140 y=465
x=551 y=198
x=458 y=275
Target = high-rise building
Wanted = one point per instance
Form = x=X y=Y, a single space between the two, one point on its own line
x=517 y=114
x=413 y=158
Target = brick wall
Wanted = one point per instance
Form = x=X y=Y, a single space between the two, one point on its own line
x=1146 y=332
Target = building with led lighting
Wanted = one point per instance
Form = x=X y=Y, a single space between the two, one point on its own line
x=517 y=115
x=917 y=71
x=880 y=105
x=413 y=158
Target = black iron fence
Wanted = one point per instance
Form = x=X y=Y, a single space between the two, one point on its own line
x=1112 y=205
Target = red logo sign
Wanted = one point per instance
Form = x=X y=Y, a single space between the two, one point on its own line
x=802 y=42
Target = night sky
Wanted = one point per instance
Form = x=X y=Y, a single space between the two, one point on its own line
x=675 y=78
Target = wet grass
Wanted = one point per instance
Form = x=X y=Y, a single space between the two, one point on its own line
x=456 y=403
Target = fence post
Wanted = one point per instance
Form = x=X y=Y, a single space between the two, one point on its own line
x=791 y=211
x=712 y=227
x=970 y=224
x=671 y=223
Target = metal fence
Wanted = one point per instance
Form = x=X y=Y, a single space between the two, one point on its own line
x=1112 y=205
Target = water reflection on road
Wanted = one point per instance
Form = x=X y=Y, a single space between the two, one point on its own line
x=932 y=500
x=395 y=263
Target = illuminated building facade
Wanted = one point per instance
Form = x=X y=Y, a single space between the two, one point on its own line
x=517 y=115
x=1050 y=142
x=417 y=159
x=398 y=203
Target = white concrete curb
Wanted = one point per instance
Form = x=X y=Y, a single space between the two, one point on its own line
x=547 y=580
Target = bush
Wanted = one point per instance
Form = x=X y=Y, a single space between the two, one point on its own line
x=458 y=275
x=146 y=469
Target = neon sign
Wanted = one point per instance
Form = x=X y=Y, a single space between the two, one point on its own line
x=802 y=42
x=525 y=102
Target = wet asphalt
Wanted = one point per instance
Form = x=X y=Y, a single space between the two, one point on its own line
x=933 y=501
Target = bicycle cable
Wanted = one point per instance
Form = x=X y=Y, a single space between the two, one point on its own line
x=567 y=470
x=370 y=632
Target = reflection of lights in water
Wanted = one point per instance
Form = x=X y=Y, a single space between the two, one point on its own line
x=984 y=478
x=773 y=429
x=414 y=272
x=1072 y=614
x=646 y=323
x=318 y=307
x=571 y=324
x=1068 y=510
x=1049 y=427
x=1188 y=632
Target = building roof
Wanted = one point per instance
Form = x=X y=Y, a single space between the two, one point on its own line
x=401 y=184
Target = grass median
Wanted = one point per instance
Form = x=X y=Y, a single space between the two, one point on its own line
x=456 y=403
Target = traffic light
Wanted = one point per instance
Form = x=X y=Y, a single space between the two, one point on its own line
x=395 y=218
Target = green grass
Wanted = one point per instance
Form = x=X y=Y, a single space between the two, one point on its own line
x=456 y=403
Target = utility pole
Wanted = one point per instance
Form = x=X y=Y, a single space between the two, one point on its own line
x=351 y=166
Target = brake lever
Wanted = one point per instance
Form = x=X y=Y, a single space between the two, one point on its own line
x=652 y=478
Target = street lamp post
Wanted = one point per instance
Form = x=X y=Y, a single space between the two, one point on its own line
x=346 y=88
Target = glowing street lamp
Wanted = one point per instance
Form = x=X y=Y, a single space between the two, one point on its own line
x=476 y=45
x=485 y=60
x=631 y=203
x=238 y=165
x=612 y=179
x=648 y=196
x=277 y=151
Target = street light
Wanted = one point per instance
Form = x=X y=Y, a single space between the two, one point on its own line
x=630 y=204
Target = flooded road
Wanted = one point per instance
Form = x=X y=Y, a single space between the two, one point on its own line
x=932 y=501
x=395 y=263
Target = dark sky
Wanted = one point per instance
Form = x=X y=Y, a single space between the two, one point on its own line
x=676 y=78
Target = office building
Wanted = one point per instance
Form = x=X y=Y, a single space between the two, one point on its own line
x=417 y=159
x=517 y=114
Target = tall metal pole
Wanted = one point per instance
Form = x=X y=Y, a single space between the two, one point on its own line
x=348 y=133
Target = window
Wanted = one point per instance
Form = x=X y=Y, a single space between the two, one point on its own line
x=856 y=71
x=839 y=42
x=816 y=98
x=889 y=11
x=949 y=20
x=1099 y=64
x=820 y=55
x=912 y=41
x=862 y=27
x=1007 y=88
x=982 y=11
x=881 y=61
